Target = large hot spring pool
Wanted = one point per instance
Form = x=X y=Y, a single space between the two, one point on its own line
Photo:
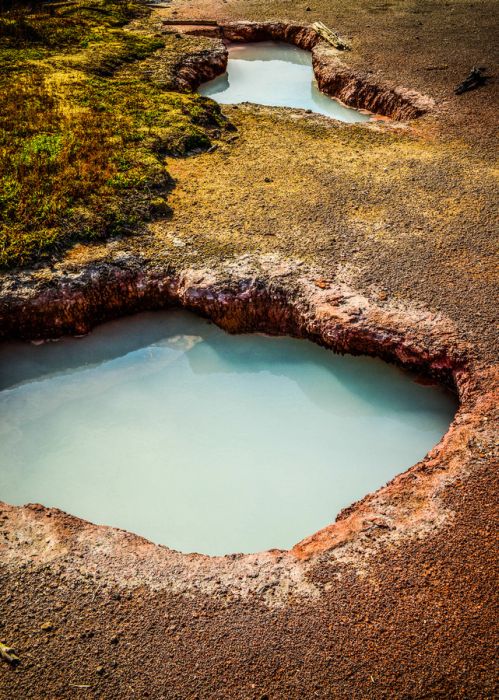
x=278 y=75
x=165 y=425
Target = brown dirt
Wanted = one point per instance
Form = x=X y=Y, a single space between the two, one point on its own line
x=374 y=238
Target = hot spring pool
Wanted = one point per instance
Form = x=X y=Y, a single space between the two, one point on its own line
x=274 y=74
x=164 y=425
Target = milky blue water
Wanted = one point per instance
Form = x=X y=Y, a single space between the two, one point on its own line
x=274 y=74
x=164 y=425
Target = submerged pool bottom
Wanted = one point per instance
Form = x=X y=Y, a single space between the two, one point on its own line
x=164 y=425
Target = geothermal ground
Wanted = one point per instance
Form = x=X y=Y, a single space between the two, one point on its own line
x=376 y=238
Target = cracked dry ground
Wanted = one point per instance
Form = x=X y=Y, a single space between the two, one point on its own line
x=377 y=238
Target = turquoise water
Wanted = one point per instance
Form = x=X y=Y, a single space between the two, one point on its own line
x=164 y=425
x=274 y=74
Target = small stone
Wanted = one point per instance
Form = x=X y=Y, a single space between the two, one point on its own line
x=322 y=284
x=47 y=626
x=99 y=670
x=268 y=179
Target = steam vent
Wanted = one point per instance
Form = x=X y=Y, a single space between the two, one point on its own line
x=248 y=350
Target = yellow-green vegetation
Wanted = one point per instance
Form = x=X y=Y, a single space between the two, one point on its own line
x=84 y=128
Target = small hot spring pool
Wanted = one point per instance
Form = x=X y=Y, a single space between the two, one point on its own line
x=278 y=75
x=165 y=425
